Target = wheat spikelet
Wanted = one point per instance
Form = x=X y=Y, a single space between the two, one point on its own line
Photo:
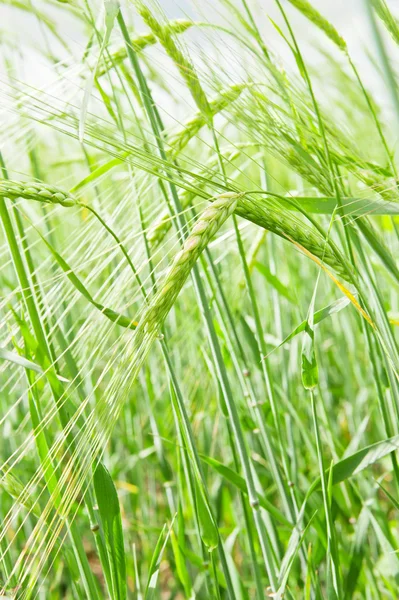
x=190 y=129
x=159 y=229
x=163 y=223
x=14 y=487
x=275 y=219
x=140 y=43
x=186 y=69
x=387 y=18
x=35 y=191
x=317 y=19
x=281 y=222
x=203 y=231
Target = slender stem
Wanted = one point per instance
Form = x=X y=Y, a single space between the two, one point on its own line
x=155 y=121
x=330 y=525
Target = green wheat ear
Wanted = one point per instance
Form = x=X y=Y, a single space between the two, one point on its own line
x=208 y=223
x=278 y=221
x=140 y=43
x=33 y=190
x=272 y=218
x=390 y=22
x=321 y=22
x=190 y=129
x=184 y=65
x=282 y=223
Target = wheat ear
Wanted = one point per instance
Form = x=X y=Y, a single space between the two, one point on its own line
x=321 y=22
x=179 y=141
x=277 y=220
x=140 y=43
x=208 y=223
x=36 y=191
x=390 y=22
x=281 y=222
x=186 y=69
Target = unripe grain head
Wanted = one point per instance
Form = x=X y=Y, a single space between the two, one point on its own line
x=34 y=190
x=182 y=62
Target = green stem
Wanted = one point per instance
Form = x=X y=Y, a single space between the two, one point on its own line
x=330 y=524
x=155 y=121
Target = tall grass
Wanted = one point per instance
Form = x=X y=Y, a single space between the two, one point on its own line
x=199 y=355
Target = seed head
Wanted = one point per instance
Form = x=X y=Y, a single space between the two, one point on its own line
x=35 y=191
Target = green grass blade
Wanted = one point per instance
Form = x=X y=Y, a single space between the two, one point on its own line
x=153 y=572
x=237 y=481
x=21 y=361
x=318 y=317
x=282 y=289
x=357 y=462
x=109 y=510
x=112 y=315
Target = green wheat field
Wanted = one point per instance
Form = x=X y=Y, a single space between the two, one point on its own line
x=199 y=309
